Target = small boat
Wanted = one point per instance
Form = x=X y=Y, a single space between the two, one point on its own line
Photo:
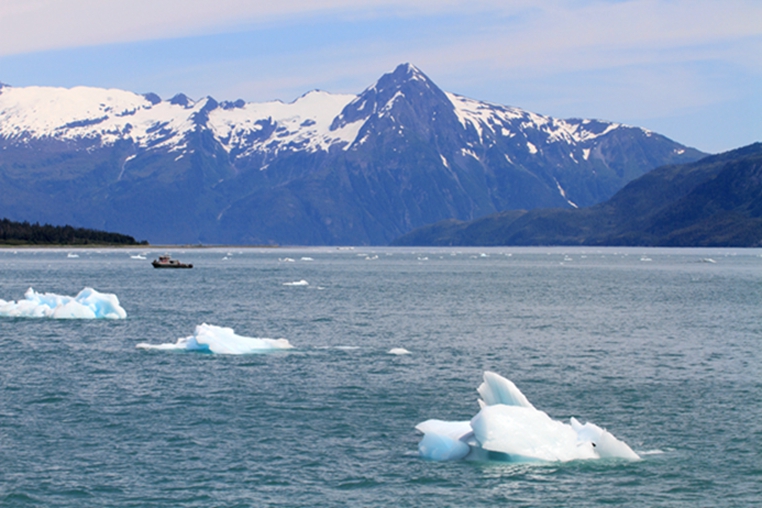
x=166 y=261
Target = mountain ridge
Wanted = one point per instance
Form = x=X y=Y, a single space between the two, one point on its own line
x=713 y=202
x=324 y=168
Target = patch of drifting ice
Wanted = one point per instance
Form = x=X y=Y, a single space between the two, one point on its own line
x=509 y=425
x=221 y=340
x=88 y=304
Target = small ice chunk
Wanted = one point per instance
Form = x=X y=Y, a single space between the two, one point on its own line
x=297 y=283
x=88 y=304
x=221 y=340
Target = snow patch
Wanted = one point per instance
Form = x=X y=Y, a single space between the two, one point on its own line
x=465 y=152
x=563 y=194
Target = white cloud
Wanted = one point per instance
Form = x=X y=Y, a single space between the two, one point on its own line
x=38 y=25
x=545 y=26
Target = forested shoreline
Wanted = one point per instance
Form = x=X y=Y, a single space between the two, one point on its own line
x=24 y=233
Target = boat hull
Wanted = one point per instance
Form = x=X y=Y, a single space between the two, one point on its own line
x=156 y=264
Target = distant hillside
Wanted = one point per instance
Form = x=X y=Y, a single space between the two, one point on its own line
x=22 y=233
x=714 y=202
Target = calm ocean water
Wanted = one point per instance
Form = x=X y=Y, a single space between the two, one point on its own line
x=662 y=347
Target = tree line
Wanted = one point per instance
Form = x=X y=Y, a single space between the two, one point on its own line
x=19 y=233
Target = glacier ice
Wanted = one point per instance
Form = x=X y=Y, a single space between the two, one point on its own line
x=88 y=304
x=221 y=340
x=510 y=427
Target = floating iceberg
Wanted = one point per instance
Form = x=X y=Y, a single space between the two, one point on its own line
x=88 y=304
x=297 y=283
x=223 y=341
x=508 y=427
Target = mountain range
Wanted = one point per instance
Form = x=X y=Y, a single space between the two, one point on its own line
x=324 y=169
x=714 y=202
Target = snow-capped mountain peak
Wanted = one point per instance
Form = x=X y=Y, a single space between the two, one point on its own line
x=327 y=167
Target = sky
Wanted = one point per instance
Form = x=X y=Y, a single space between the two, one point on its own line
x=688 y=69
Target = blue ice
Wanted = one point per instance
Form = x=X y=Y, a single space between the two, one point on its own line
x=221 y=340
x=88 y=304
x=509 y=426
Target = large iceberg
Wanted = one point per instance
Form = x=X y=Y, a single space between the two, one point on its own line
x=221 y=340
x=508 y=427
x=88 y=304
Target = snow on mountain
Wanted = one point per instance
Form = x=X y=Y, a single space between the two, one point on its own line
x=85 y=113
x=508 y=121
x=315 y=121
x=97 y=115
x=323 y=169
x=304 y=124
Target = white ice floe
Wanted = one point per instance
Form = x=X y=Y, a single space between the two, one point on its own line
x=88 y=304
x=221 y=340
x=297 y=283
x=399 y=351
x=508 y=427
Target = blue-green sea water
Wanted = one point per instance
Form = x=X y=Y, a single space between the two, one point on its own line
x=661 y=347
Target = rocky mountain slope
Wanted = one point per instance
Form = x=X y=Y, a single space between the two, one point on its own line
x=714 y=202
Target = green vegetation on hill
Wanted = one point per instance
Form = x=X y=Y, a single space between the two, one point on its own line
x=23 y=233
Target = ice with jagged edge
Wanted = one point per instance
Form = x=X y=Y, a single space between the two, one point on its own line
x=221 y=340
x=508 y=427
x=88 y=304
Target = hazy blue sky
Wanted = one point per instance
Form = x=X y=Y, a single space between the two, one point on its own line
x=689 y=69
